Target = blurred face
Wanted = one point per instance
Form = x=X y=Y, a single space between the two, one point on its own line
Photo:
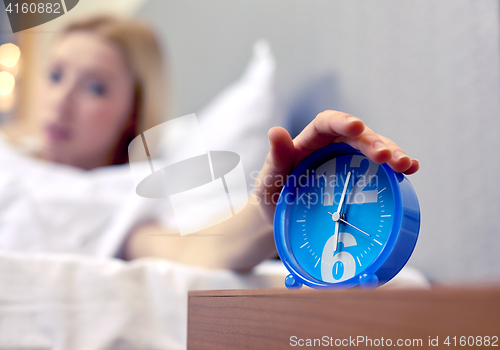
x=86 y=102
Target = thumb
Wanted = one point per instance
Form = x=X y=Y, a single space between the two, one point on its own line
x=277 y=167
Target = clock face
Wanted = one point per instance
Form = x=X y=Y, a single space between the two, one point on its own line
x=364 y=219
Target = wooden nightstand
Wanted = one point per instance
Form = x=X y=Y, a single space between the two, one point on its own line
x=279 y=318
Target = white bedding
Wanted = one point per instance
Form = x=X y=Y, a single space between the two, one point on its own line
x=57 y=301
x=54 y=208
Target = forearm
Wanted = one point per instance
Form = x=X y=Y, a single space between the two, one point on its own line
x=238 y=243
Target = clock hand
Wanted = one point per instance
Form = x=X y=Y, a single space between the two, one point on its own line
x=336 y=244
x=344 y=191
x=336 y=215
x=345 y=222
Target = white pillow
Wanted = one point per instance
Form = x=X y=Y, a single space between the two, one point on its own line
x=239 y=117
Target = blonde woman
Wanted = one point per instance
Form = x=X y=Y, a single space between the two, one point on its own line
x=104 y=86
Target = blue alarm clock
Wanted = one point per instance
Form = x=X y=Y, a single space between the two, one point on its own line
x=343 y=220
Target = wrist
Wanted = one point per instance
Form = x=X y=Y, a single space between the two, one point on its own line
x=265 y=211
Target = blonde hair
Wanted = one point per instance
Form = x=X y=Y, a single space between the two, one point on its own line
x=143 y=55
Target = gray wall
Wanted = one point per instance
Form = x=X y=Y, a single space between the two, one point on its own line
x=424 y=73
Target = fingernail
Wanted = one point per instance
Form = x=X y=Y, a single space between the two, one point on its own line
x=379 y=146
x=399 y=154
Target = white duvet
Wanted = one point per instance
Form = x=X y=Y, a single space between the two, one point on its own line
x=53 y=208
x=57 y=301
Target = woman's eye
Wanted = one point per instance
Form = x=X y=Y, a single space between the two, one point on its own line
x=97 y=89
x=55 y=76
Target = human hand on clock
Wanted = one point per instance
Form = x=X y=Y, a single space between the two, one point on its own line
x=328 y=127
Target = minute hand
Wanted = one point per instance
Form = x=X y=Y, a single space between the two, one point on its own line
x=344 y=191
x=338 y=212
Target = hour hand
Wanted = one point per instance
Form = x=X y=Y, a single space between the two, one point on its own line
x=335 y=217
x=336 y=244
